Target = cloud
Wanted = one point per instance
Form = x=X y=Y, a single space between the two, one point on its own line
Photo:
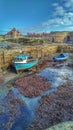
x=68 y=3
x=55 y=4
x=38 y=29
x=69 y=28
x=62 y=17
x=59 y=11
x=70 y=14
x=53 y=22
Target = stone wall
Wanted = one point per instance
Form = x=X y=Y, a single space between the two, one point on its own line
x=6 y=56
x=61 y=37
x=65 y=48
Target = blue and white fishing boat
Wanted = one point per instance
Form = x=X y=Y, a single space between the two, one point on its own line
x=23 y=62
x=61 y=57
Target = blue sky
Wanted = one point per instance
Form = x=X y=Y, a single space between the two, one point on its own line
x=36 y=15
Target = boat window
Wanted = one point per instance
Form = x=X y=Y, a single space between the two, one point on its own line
x=18 y=59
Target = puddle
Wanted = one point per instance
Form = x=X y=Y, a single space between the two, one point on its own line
x=3 y=92
x=57 y=77
x=31 y=103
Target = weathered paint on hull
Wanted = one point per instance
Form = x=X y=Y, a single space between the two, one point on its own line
x=23 y=66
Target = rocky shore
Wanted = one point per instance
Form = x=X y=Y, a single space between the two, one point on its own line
x=32 y=86
x=52 y=108
x=55 y=108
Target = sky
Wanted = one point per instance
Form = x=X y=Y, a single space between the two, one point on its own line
x=36 y=15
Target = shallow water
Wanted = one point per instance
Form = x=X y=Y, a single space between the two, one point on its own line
x=19 y=115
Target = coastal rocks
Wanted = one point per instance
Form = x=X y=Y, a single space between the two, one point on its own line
x=55 y=108
x=32 y=86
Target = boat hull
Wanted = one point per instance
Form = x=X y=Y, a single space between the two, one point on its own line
x=61 y=57
x=23 y=66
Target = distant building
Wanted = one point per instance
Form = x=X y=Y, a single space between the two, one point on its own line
x=14 y=33
x=54 y=37
x=38 y=35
